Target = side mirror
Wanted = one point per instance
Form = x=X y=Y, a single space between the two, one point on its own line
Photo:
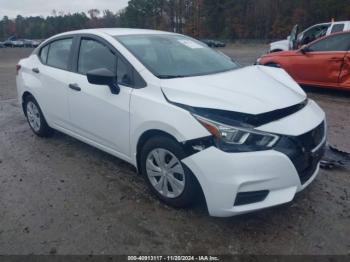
x=304 y=49
x=105 y=77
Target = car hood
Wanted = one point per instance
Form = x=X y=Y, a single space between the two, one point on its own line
x=251 y=90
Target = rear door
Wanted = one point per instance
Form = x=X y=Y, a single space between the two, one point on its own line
x=53 y=71
x=344 y=77
x=323 y=61
x=96 y=114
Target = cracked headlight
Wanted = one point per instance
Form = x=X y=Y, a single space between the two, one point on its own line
x=237 y=139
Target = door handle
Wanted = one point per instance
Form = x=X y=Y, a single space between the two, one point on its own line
x=74 y=87
x=336 y=59
x=36 y=70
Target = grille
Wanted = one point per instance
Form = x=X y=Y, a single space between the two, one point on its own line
x=301 y=151
x=312 y=139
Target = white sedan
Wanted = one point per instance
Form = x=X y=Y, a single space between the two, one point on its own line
x=191 y=120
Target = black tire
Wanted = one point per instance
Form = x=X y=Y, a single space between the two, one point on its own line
x=44 y=130
x=191 y=188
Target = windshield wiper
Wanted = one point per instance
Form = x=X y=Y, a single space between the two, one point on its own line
x=170 y=76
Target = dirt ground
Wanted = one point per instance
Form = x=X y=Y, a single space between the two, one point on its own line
x=61 y=196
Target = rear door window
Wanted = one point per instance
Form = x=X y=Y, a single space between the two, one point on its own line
x=59 y=53
x=336 y=43
x=338 y=28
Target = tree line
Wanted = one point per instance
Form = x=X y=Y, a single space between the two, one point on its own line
x=225 y=19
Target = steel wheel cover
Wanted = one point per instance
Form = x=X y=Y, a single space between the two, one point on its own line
x=33 y=116
x=165 y=172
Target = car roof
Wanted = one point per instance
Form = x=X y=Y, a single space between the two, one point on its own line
x=117 y=31
x=329 y=23
x=334 y=22
x=112 y=32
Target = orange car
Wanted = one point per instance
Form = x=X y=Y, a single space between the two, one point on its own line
x=323 y=63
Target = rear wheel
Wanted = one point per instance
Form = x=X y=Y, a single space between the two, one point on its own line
x=170 y=180
x=35 y=118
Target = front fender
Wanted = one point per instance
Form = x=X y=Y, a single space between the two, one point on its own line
x=280 y=46
x=160 y=116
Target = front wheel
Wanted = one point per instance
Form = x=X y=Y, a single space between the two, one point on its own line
x=35 y=118
x=169 y=179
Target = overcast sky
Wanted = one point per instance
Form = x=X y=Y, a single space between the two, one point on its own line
x=12 y=8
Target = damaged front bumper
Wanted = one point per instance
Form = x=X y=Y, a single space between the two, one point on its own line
x=223 y=176
x=242 y=182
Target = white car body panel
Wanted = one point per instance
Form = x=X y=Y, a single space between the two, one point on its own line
x=283 y=45
x=297 y=124
x=147 y=113
x=52 y=95
x=115 y=123
x=238 y=174
x=224 y=91
x=109 y=114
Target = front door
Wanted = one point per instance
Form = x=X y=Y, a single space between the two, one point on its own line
x=322 y=62
x=95 y=113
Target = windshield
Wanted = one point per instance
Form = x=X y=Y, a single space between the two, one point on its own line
x=172 y=56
